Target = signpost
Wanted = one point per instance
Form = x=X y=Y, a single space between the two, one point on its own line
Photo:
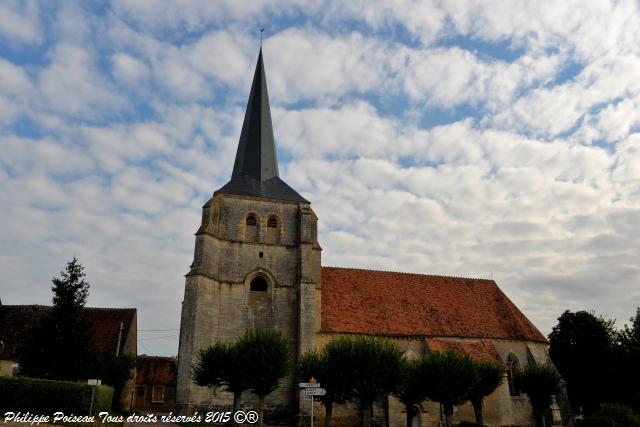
x=312 y=388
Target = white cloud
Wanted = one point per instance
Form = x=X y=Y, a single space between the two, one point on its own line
x=20 y=21
x=71 y=84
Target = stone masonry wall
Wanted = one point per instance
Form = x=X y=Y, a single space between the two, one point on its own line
x=218 y=303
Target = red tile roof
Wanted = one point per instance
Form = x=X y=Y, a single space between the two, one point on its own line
x=16 y=320
x=404 y=304
x=156 y=370
x=478 y=350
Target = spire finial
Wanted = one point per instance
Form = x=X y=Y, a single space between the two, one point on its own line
x=261 y=31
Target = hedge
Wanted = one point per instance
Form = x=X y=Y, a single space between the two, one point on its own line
x=46 y=396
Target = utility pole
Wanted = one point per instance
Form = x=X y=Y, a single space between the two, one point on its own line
x=119 y=338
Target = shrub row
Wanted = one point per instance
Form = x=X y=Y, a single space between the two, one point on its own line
x=46 y=396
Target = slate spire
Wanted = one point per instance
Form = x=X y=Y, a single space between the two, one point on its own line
x=255 y=170
x=256 y=156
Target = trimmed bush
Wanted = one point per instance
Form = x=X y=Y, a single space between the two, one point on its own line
x=46 y=396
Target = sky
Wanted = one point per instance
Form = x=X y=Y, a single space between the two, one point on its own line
x=479 y=139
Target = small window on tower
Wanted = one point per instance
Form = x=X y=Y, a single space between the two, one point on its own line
x=259 y=284
x=273 y=222
x=251 y=220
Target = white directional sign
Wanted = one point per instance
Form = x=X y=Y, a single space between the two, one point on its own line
x=314 y=392
x=309 y=385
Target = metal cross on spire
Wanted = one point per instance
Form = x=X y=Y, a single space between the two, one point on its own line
x=261 y=31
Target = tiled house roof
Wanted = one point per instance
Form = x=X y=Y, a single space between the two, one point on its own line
x=404 y=304
x=156 y=370
x=16 y=320
x=478 y=349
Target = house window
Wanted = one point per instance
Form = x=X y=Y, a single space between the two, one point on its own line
x=259 y=284
x=513 y=366
x=158 y=394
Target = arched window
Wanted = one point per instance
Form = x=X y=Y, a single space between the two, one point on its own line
x=251 y=220
x=513 y=366
x=259 y=284
x=272 y=222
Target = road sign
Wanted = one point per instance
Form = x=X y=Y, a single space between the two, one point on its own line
x=309 y=385
x=315 y=392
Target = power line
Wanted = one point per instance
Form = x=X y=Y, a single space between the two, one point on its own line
x=157 y=338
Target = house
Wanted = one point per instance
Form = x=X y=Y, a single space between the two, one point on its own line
x=155 y=384
x=115 y=331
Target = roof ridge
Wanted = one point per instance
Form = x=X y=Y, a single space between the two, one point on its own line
x=409 y=273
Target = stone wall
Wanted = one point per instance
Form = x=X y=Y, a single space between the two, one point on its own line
x=239 y=240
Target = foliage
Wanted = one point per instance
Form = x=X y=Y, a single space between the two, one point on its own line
x=489 y=376
x=268 y=359
x=410 y=390
x=60 y=344
x=112 y=370
x=582 y=348
x=451 y=379
x=47 y=396
x=618 y=415
x=629 y=368
x=541 y=383
x=212 y=366
x=375 y=371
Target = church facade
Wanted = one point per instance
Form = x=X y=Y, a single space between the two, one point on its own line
x=257 y=263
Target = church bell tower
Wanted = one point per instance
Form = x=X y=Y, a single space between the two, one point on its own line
x=256 y=261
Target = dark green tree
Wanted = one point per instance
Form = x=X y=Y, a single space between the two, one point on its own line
x=582 y=348
x=60 y=345
x=328 y=367
x=376 y=371
x=112 y=370
x=451 y=378
x=541 y=383
x=628 y=368
x=268 y=359
x=411 y=390
x=489 y=376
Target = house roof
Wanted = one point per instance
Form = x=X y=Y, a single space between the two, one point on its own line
x=255 y=171
x=156 y=370
x=16 y=320
x=405 y=304
x=478 y=350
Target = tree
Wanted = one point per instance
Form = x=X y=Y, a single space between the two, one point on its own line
x=582 y=348
x=375 y=371
x=411 y=390
x=113 y=370
x=212 y=366
x=60 y=345
x=489 y=376
x=628 y=366
x=268 y=359
x=451 y=378
x=541 y=383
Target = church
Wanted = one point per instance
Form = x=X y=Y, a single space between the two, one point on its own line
x=257 y=263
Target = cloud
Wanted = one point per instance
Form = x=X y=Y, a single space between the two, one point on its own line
x=20 y=21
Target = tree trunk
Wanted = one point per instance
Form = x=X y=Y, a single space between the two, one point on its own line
x=328 y=413
x=236 y=406
x=477 y=409
x=385 y=404
x=366 y=415
x=448 y=415
x=409 y=415
x=261 y=411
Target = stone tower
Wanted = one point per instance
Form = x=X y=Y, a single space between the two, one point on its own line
x=256 y=261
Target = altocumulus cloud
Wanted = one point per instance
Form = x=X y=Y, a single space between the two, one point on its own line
x=440 y=137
